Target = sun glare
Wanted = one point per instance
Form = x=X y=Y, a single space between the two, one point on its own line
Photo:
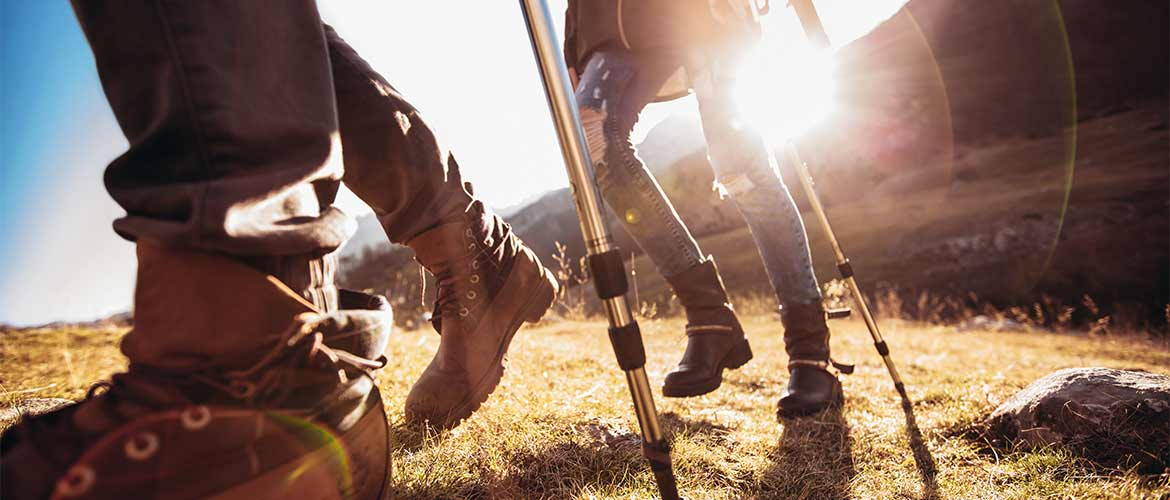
x=785 y=90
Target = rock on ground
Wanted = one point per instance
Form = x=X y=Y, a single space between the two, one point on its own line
x=1116 y=418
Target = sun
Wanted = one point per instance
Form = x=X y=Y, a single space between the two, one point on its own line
x=784 y=90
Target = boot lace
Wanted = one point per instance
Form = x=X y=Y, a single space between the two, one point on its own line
x=278 y=375
x=56 y=438
x=462 y=289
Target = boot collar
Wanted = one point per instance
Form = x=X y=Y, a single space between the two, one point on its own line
x=824 y=365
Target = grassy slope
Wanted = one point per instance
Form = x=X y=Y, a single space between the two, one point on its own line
x=559 y=424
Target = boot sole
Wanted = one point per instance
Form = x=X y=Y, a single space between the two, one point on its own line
x=540 y=300
x=365 y=450
x=735 y=358
x=837 y=401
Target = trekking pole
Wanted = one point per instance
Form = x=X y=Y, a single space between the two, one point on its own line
x=846 y=270
x=814 y=31
x=605 y=262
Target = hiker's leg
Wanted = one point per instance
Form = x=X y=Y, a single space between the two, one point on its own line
x=233 y=136
x=393 y=161
x=233 y=147
x=612 y=91
x=232 y=166
x=489 y=282
x=745 y=167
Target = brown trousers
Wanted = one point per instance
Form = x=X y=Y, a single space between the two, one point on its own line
x=243 y=118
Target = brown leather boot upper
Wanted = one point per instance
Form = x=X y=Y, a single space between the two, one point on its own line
x=489 y=284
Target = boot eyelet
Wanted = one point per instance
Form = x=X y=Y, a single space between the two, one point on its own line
x=141 y=447
x=76 y=481
x=475 y=264
x=463 y=312
x=471 y=294
x=241 y=389
x=475 y=278
x=195 y=418
x=469 y=233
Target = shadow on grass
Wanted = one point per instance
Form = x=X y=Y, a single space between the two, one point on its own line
x=923 y=460
x=813 y=460
x=674 y=424
x=603 y=458
x=410 y=438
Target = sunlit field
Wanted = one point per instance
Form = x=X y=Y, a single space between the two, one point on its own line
x=560 y=426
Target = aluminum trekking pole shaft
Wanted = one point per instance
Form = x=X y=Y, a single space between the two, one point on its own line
x=846 y=269
x=814 y=31
x=605 y=262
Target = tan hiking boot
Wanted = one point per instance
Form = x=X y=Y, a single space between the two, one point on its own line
x=264 y=407
x=489 y=284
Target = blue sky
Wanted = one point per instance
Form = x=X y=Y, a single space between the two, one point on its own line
x=56 y=133
x=37 y=84
x=466 y=65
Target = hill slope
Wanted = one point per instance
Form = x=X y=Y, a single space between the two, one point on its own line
x=963 y=129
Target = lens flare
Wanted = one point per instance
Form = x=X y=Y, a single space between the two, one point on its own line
x=784 y=91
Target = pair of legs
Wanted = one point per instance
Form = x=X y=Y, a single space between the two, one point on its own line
x=613 y=89
x=243 y=119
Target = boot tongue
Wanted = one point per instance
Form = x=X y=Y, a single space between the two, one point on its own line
x=363 y=325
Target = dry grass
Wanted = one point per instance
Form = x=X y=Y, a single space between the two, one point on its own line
x=560 y=426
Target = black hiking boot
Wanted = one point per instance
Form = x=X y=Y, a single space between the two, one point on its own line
x=812 y=384
x=715 y=339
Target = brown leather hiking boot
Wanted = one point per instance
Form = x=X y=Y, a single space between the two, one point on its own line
x=267 y=408
x=489 y=284
x=812 y=384
x=715 y=340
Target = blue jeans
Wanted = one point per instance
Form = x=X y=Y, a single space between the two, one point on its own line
x=614 y=88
